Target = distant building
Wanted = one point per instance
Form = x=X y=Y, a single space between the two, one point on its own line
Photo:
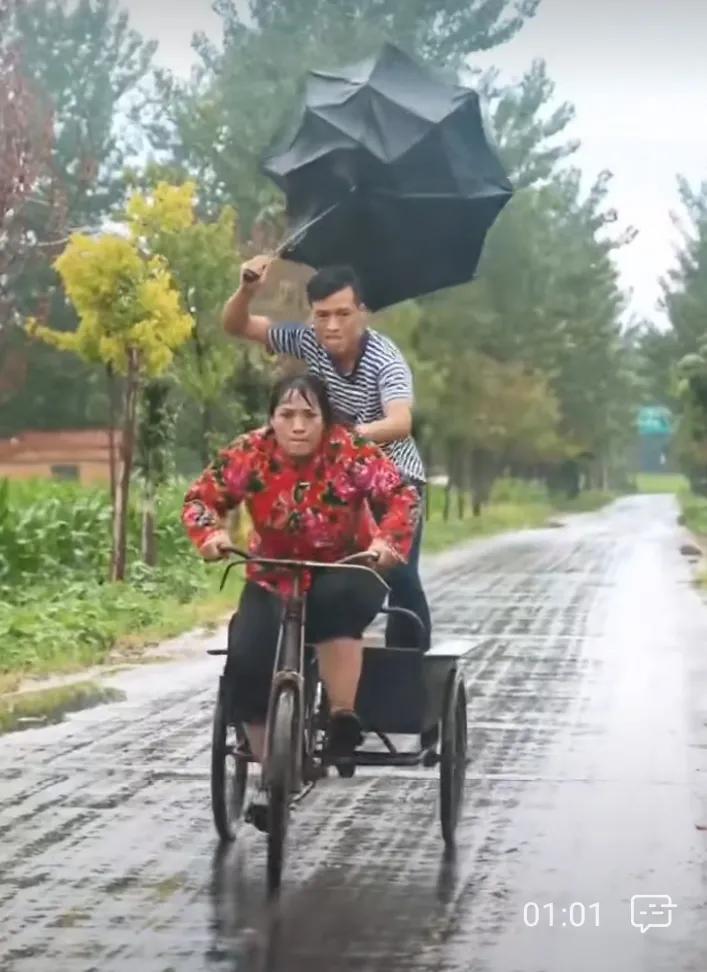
x=82 y=455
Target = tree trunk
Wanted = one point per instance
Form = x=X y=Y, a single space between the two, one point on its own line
x=112 y=458
x=204 y=444
x=461 y=483
x=477 y=484
x=605 y=475
x=110 y=379
x=148 y=539
x=482 y=476
x=206 y=430
x=120 y=515
x=448 y=487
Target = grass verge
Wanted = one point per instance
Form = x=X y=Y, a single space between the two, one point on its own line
x=694 y=511
x=694 y=518
x=89 y=625
x=59 y=617
x=504 y=515
x=661 y=483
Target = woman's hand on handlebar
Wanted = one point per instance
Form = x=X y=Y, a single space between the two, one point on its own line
x=217 y=547
x=383 y=555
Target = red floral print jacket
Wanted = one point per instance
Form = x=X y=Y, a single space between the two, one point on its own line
x=320 y=510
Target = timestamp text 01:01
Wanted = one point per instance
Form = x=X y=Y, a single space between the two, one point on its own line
x=576 y=914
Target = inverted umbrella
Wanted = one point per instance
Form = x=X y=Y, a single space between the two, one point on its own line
x=388 y=169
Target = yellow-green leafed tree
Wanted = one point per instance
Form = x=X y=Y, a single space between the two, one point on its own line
x=204 y=261
x=131 y=319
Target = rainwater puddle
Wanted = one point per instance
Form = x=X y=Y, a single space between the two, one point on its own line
x=45 y=707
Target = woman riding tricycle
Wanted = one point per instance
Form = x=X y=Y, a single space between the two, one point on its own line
x=315 y=492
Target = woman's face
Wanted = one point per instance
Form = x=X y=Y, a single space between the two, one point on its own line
x=298 y=425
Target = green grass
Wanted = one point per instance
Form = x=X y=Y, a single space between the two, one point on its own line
x=694 y=511
x=92 y=624
x=661 y=483
x=586 y=502
x=514 y=506
x=694 y=516
x=58 y=614
x=496 y=518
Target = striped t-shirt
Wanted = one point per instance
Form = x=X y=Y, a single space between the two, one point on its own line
x=381 y=375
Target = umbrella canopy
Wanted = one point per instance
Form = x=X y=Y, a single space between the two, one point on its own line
x=387 y=168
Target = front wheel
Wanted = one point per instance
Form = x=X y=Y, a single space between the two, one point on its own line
x=452 y=767
x=281 y=760
x=229 y=772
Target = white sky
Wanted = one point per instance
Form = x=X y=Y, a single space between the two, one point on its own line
x=636 y=72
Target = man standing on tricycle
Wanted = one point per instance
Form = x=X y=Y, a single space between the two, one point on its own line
x=370 y=386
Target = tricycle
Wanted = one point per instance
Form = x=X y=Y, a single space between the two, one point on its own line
x=402 y=691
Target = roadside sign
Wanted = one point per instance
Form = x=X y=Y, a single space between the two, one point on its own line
x=654 y=420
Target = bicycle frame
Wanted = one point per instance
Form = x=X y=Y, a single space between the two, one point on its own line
x=289 y=666
x=288 y=669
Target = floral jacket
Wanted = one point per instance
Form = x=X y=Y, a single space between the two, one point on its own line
x=322 y=510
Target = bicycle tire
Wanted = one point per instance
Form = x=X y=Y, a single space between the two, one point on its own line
x=227 y=792
x=280 y=778
x=452 y=766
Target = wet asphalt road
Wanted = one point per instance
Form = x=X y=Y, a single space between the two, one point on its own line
x=587 y=678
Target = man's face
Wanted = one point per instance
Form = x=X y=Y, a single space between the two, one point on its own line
x=339 y=322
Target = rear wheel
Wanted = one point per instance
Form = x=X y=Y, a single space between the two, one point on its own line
x=281 y=758
x=452 y=768
x=229 y=772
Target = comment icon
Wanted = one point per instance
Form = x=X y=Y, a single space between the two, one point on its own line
x=652 y=911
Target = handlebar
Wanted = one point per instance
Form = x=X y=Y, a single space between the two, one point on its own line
x=352 y=562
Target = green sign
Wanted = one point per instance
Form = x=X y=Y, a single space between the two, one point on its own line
x=655 y=420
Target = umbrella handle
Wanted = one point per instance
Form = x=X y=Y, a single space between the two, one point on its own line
x=251 y=277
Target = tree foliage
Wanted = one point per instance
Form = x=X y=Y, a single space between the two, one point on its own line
x=131 y=319
x=542 y=320
x=685 y=284
x=525 y=368
x=685 y=300
x=25 y=140
x=219 y=123
x=130 y=314
x=86 y=70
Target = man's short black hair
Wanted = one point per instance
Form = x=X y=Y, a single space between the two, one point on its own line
x=330 y=280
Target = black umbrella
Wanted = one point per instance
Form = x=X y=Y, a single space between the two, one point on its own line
x=388 y=168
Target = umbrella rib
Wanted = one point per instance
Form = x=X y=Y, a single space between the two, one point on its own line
x=293 y=238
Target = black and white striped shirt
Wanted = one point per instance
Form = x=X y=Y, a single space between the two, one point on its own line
x=381 y=375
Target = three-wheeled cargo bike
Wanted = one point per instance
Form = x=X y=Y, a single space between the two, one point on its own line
x=402 y=692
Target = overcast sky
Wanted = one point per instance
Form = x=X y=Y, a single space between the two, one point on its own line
x=636 y=72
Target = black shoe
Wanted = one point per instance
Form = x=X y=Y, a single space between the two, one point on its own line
x=344 y=734
x=257 y=811
x=429 y=738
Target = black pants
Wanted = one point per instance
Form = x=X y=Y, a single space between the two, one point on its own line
x=340 y=604
x=406 y=591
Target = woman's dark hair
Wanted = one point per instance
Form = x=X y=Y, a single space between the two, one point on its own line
x=330 y=280
x=312 y=389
